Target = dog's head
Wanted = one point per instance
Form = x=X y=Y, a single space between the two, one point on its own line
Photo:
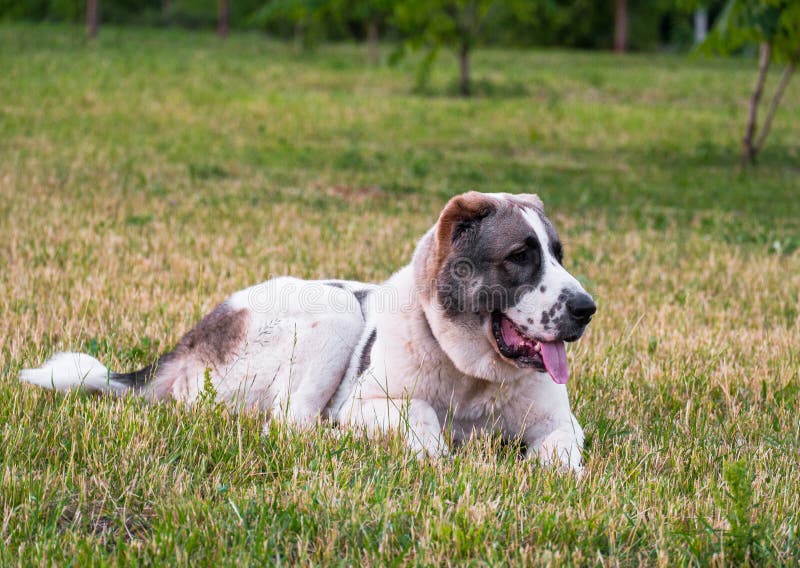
x=497 y=296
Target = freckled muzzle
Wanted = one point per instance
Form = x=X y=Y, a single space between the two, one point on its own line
x=516 y=344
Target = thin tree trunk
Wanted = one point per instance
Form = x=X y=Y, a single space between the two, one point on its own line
x=223 y=18
x=299 y=36
x=464 y=85
x=92 y=18
x=372 y=41
x=620 y=26
x=773 y=106
x=748 y=148
x=700 y=25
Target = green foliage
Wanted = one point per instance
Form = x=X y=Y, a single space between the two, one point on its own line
x=49 y=10
x=289 y=10
x=589 y=24
x=450 y=23
x=747 y=22
x=198 y=13
x=578 y=23
x=303 y=17
x=570 y=23
x=775 y=26
x=455 y=24
x=208 y=396
x=742 y=537
x=361 y=11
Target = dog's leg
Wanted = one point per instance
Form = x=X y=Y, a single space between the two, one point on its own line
x=301 y=411
x=319 y=360
x=560 y=448
x=415 y=419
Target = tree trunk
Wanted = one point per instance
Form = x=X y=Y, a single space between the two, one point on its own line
x=223 y=18
x=92 y=18
x=620 y=26
x=749 y=149
x=773 y=106
x=299 y=36
x=464 y=85
x=372 y=42
x=700 y=25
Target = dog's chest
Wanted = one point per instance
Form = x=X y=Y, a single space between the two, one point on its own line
x=479 y=405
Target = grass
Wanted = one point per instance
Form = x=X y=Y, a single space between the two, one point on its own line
x=145 y=177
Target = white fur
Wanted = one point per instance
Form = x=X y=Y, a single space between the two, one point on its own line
x=555 y=280
x=64 y=371
x=299 y=339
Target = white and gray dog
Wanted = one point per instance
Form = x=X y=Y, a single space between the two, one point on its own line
x=470 y=335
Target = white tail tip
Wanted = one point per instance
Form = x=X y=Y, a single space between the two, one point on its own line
x=65 y=371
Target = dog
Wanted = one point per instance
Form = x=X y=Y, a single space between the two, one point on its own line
x=467 y=339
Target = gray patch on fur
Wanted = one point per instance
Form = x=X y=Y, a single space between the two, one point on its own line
x=214 y=341
x=477 y=277
x=366 y=354
x=139 y=379
x=217 y=337
x=361 y=296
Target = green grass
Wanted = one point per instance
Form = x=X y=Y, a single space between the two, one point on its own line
x=145 y=177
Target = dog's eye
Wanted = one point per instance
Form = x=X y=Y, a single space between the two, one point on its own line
x=518 y=256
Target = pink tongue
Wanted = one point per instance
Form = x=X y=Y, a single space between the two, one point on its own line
x=555 y=361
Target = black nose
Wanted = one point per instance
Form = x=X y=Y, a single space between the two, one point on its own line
x=581 y=308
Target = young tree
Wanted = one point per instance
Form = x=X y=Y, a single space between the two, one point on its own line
x=775 y=26
x=700 y=24
x=371 y=14
x=92 y=18
x=456 y=24
x=620 y=26
x=223 y=18
x=301 y=14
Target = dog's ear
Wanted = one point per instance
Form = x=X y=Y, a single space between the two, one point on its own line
x=461 y=212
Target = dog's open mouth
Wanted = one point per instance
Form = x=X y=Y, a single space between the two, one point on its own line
x=550 y=356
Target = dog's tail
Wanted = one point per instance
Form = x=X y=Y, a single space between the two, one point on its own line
x=66 y=371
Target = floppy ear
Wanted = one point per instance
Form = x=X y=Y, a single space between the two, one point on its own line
x=459 y=212
x=433 y=249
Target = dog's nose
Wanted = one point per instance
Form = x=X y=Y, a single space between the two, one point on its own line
x=581 y=307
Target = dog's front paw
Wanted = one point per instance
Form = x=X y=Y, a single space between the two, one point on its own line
x=560 y=450
x=427 y=444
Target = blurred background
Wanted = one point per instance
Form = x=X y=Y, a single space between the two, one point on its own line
x=656 y=109
x=639 y=25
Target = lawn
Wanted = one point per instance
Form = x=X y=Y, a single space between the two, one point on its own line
x=145 y=177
